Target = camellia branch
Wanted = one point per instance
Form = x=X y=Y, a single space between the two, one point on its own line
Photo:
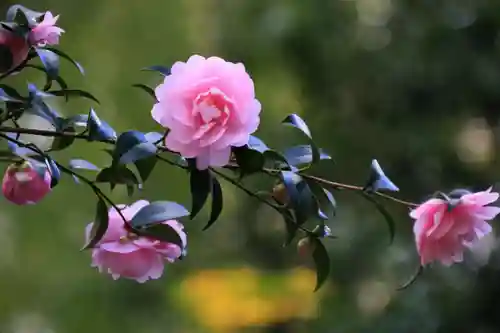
x=334 y=185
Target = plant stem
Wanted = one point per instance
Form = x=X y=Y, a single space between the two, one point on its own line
x=68 y=171
x=272 y=172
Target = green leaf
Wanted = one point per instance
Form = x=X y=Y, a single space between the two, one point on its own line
x=67 y=57
x=60 y=81
x=388 y=218
x=326 y=201
x=157 y=212
x=322 y=262
x=117 y=175
x=249 y=160
x=413 y=278
x=200 y=185
x=62 y=142
x=145 y=167
x=99 y=226
x=74 y=93
x=161 y=232
x=147 y=89
x=217 y=202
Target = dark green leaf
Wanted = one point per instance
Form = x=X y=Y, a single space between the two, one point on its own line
x=117 y=175
x=326 y=201
x=217 y=202
x=249 y=160
x=99 y=226
x=50 y=62
x=74 y=93
x=297 y=122
x=302 y=154
x=62 y=142
x=277 y=159
x=388 y=218
x=157 y=212
x=165 y=71
x=322 y=262
x=23 y=15
x=67 y=57
x=132 y=146
x=257 y=144
x=200 y=185
x=11 y=93
x=145 y=166
x=99 y=130
x=147 y=89
x=82 y=164
x=60 y=81
x=414 y=277
x=161 y=232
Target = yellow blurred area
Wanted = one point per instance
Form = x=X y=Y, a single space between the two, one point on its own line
x=227 y=299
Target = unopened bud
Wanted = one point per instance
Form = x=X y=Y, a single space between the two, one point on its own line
x=280 y=194
x=305 y=247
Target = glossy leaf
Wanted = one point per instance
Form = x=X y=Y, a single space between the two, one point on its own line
x=117 y=175
x=54 y=172
x=50 y=62
x=165 y=71
x=321 y=261
x=154 y=137
x=67 y=57
x=200 y=186
x=217 y=202
x=307 y=206
x=249 y=160
x=147 y=89
x=326 y=200
x=157 y=212
x=99 y=130
x=60 y=81
x=9 y=94
x=412 y=279
x=297 y=122
x=145 y=166
x=17 y=149
x=290 y=180
x=302 y=154
x=62 y=142
x=278 y=160
x=161 y=232
x=99 y=226
x=391 y=224
x=132 y=146
x=257 y=144
x=23 y=15
x=82 y=164
x=74 y=93
x=378 y=180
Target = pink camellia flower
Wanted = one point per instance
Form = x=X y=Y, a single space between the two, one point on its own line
x=46 y=32
x=14 y=50
x=125 y=254
x=444 y=228
x=26 y=183
x=208 y=105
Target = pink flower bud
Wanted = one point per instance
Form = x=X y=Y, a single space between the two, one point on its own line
x=445 y=228
x=26 y=184
x=46 y=32
x=14 y=50
x=125 y=254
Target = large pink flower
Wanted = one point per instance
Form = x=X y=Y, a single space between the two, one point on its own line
x=444 y=228
x=14 y=50
x=208 y=105
x=123 y=254
x=46 y=32
x=25 y=184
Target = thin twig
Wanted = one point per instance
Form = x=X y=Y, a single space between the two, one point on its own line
x=81 y=136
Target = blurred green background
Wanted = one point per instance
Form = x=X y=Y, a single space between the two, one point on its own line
x=415 y=84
